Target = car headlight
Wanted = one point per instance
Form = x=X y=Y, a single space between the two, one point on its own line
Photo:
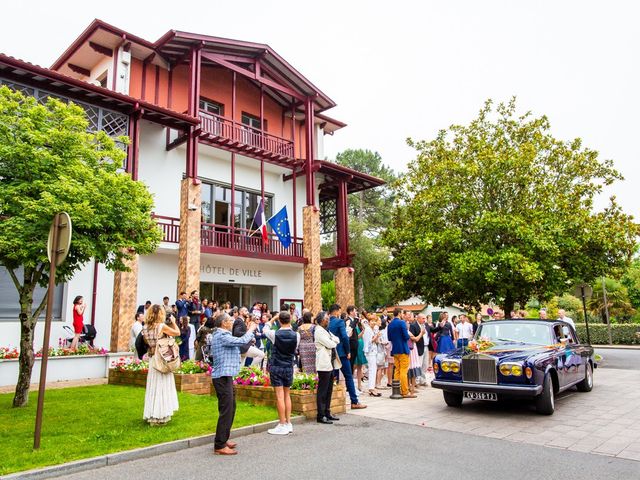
x=508 y=369
x=450 y=366
x=528 y=372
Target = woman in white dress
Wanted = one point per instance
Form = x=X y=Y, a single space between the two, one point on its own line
x=161 y=399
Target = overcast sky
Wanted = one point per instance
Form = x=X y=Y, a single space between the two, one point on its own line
x=399 y=69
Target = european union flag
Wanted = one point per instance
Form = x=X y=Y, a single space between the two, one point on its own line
x=280 y=224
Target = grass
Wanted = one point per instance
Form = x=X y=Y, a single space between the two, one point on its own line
x=86 y=422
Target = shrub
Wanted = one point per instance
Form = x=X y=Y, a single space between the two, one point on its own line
x=304 y=381
x=621 y=333
x=192 y=367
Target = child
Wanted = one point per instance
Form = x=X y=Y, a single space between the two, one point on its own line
x=285 y=343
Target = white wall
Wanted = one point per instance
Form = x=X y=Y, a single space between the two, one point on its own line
x=80 y=284
x=286 y=277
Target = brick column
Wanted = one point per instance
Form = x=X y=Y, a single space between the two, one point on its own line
x=189 y=253
x=125 y=299
x=345 y=289
x=311 y=242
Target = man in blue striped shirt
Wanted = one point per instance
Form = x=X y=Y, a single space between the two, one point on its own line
x=225 y=350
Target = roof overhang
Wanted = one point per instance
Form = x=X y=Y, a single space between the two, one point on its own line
x=176 y=45
x=104 y=39
x=335 y=174
x=79 y=90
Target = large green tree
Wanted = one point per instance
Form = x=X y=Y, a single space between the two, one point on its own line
x=501 y=209
x=369 y=213
x=631 y=280
x=618 y=304
x=49 y=163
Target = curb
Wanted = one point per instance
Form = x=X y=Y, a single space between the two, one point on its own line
x=138 y=453
x=616 y=347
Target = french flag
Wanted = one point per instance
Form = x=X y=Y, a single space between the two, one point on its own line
x=260 y=222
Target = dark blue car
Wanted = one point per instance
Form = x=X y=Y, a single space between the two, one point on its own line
x=518 y=358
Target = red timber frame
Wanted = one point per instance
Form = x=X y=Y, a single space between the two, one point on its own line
x=192 y=137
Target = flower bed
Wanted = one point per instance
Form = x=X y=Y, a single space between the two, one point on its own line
x=253 y=386
x=191 y=377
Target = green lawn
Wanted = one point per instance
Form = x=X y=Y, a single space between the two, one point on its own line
x=85 y=422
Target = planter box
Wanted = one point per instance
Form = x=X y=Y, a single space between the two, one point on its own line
x=302 y=401
x=76 y=367
x=196 y=383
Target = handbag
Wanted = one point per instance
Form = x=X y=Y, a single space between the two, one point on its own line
x=166 y=358
x=141 y=346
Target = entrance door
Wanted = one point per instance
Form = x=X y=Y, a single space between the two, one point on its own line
x=228 y=292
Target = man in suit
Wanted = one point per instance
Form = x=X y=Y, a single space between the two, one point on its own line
x=398 y=335
x=337 y=328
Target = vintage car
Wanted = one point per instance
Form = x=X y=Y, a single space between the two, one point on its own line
x=521 y=358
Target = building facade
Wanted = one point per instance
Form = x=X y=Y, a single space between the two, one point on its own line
x=216 y=126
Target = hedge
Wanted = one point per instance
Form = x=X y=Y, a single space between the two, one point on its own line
x=621 y=333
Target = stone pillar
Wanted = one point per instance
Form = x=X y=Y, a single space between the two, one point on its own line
x=189 y=252
x=311 y=245
x=125 y=304
x=345 y=289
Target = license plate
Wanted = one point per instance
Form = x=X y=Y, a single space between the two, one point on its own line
x=493 y=397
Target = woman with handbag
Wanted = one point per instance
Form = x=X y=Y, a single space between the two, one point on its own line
x=160 y=399
x=327 y=361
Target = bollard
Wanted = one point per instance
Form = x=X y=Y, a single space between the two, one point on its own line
x=395 y=390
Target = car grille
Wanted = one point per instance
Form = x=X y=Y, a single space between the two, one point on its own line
x=479 y=368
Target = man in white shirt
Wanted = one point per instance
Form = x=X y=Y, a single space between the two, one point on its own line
x=465 y=331
x=136 y=328
x=562 y=315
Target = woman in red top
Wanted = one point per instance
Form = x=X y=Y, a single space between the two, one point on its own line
x=78 y=320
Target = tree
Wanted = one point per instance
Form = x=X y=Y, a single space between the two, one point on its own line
x=501 y=209
x=50 y=163
x=631 y=280
x=373 y=205
x=619 y=306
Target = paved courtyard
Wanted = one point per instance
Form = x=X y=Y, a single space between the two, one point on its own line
x=604 y=421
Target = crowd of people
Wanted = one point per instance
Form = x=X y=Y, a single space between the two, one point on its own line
x=364 y=350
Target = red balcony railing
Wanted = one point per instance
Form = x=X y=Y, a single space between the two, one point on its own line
x=227 y=240
x=226 y=131
x=215 y=237
x=170 y=228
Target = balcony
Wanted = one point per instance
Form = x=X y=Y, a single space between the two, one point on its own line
x=238 y=242
x=221 y=131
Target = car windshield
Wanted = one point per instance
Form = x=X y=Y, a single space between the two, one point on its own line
x=496 y=331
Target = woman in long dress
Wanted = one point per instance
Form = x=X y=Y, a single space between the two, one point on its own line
x=160 y=399
x=307 y=346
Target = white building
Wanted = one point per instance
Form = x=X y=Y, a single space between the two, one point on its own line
x=215 y=125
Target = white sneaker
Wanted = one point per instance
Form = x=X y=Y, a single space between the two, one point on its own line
x=289 y=427
x=280 y=429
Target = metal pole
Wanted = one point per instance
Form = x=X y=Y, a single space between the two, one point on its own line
x=606 y=310
x=584 y=307
x=47 y=333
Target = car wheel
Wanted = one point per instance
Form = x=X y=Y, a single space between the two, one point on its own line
x=545 y=402
x=452 y=399
x=586 y=385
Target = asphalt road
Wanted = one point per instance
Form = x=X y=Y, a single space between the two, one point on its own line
x=358 y=447
x=627 y=359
